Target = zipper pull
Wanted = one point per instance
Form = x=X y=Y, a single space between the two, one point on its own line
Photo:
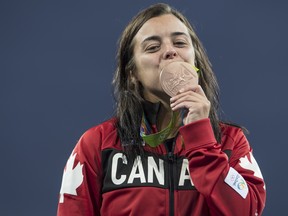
x=171 y=156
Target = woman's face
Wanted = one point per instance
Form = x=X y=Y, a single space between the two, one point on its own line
x=159 y=41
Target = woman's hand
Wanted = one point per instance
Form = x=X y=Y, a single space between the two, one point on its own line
x=194 y=100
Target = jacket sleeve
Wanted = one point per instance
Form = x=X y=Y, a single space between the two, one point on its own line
x=81 y=182
x=232 y=186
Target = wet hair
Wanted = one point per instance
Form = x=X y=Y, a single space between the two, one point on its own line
x=128 y=93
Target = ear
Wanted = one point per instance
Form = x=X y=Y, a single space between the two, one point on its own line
x=132 y=77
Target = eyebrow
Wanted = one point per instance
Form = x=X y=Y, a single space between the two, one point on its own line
x=179 y=33
x=158 y=38
x=151 y=38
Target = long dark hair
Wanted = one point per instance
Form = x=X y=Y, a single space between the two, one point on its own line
x=128 y=94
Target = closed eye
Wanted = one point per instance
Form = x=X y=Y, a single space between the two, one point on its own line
x=152 y=48
x=180 y=43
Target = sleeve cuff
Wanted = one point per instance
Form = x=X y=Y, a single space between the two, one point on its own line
x=197 y=134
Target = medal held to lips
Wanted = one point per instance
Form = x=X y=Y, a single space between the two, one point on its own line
x=177 y=75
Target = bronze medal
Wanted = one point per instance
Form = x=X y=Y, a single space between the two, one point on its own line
x=177 y=75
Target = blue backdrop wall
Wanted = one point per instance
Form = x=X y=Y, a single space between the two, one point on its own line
x=57 y=59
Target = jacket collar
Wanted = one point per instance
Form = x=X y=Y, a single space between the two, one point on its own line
x=151 y=111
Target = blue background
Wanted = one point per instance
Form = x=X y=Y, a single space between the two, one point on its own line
x=57 y=59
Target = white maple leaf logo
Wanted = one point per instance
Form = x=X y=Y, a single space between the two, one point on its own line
x=253 y=165
x=72 y=178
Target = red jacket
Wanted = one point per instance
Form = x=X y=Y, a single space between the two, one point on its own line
x=201 y=177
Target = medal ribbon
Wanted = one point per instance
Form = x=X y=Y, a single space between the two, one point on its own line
x=155 y=139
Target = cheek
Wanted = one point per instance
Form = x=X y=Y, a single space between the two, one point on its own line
x=148 y=61
x=146 y=65
x=148 y=73
x=189 y=56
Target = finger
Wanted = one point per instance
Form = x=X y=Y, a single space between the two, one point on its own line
x=187 y=88
x=183 y=105
x=187 y=98
x=196 y=104
x=186 y=93
x=199 y=90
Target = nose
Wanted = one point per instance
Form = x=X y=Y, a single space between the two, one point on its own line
x=170 y=53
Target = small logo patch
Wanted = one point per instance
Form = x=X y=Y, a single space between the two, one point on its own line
x=237 y=182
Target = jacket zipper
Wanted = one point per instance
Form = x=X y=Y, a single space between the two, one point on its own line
x=171 y=183
x=171 y=161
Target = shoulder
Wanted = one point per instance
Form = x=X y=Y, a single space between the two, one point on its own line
x=233 y=134
x=98 y=136
x=101 y=129
x=231 y=129
x=234 y=139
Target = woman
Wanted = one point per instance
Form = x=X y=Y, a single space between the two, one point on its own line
x=129 y=166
